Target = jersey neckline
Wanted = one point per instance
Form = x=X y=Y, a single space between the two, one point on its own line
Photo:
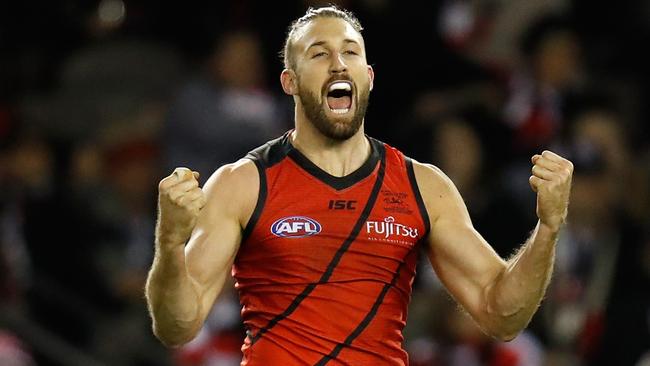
x=338 y=183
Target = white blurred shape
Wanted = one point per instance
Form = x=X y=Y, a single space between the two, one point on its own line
x=111 y=11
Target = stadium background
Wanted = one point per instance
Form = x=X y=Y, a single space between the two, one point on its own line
x=99 y=99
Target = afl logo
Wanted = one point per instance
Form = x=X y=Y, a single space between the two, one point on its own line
x=295 y=227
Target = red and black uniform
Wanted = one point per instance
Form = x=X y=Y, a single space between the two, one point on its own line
x=325 y=268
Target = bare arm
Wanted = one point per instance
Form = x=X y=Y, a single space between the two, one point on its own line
x=501 y=296
x=185 y=280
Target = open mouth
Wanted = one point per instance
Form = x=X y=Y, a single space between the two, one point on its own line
x=339 y=97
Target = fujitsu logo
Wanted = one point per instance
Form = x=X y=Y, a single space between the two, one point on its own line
x=390 y=229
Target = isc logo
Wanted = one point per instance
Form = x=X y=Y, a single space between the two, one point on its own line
x=342 y=205
x=295 y=227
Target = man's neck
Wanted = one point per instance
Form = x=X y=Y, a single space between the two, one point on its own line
x=338 y=158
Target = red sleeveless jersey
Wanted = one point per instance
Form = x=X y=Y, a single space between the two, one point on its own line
x=325 y=268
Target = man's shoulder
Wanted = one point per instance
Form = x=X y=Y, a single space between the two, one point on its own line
x=241 y=168
x=232 y=191
x=429 y=172
x=431 y=179
x=236 y=182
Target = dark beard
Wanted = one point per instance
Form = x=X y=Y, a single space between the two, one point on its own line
x=339 y=131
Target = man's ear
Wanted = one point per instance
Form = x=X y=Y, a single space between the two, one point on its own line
x=371 y=75
x=289 y=82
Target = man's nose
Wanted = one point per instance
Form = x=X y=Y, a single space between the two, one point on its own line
x=338 y=65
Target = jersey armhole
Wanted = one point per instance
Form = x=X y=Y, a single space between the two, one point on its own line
x=264 y=157
x=261 y=199
x=418 y=196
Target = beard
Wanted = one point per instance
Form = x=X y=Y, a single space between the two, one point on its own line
x=331 y=128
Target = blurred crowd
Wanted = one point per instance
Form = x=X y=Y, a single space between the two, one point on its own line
x=101 y=99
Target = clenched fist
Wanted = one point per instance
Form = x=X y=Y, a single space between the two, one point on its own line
x=179 y=201
x=551 y=179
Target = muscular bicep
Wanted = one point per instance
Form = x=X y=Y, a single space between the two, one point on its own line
x=231 y=194
x=465 y=263
x=209 y=256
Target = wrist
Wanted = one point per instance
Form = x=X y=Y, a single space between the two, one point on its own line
x=553 y=222
x=170 y=239
x=550 y=228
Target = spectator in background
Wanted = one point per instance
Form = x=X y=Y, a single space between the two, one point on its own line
x=604 y=127
x=107 y=81
x=534 y=109
x=537 y=91
x=223 y=112
x=597 y=263
x=84 y=231
x=487 y=31
x=49 y=275
x=619 y=226
x=460 y=151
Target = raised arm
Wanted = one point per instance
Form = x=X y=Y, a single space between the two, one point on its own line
x=185 y=280
x=501 y=296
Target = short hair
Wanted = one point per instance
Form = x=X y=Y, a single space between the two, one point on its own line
x=331 y=11
x=532 y=39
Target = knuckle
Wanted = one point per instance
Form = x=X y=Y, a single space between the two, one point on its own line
x=163 y=185
x=175 y=198
x=191 y=197
x=184 y=202
x=570 y=165
x=182 y=173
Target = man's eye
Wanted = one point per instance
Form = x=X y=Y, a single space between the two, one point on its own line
x=319 y=54
x=350 y=52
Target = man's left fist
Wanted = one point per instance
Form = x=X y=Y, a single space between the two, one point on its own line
x=551 y=179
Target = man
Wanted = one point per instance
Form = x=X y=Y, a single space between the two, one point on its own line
x=321 y=226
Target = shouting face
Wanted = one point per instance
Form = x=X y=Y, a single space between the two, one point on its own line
x=331 y=80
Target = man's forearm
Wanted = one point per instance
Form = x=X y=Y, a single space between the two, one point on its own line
x=171 y=295
x=518 y=291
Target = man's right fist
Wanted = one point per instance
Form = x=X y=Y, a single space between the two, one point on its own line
x=179 y=201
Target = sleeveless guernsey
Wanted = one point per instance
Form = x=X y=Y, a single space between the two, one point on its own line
x=326 y=264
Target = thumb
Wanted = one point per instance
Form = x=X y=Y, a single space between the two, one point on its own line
x=196 y=175
x=181 y=173
x=534 y=183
